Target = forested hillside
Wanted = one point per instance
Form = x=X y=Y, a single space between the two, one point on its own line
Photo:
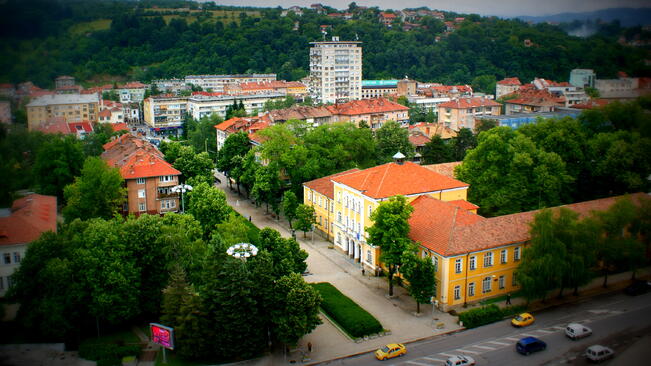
x=107 y=40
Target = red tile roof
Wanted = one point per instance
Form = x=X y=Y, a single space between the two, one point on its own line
x=451 y=89
x=324 y=185
x=119 y=127
x=449 y=230
x=136 y=158
x=366 y=106
x=133 y=85
x=59 y=125
x=388 y=15
x=446 y=169
x=594 y=103
x=509 y=81
x=464 y=204
x=30 y=216
x=104 y=113
x=394 y=179
x=418 y=139
x=463 y=103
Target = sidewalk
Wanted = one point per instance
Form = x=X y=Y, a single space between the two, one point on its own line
x=328 y=265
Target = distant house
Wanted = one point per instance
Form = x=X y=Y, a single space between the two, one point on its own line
x=375 y=112
x=532 y=100
x=463 y=112
x=5 y=111
x=387 y=18
x=20 y=225
x=249 y=125
x=132 y=92
x=79 y=129
x=506 y=86
x=418 y=140
x=297 y=10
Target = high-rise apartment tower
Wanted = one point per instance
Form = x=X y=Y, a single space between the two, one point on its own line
x=335 y=71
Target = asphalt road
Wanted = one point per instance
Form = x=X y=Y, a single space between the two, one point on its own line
x=617 y=321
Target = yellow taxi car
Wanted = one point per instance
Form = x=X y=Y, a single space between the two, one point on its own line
x=522 y=320
x=390 y=351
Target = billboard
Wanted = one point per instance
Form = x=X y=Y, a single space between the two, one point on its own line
x=162 y=335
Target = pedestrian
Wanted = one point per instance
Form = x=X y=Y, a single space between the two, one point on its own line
x=249 y=218
x=309 y=347
x=508 y=299
x=363 y=271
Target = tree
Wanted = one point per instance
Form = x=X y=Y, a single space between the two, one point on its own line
x=305 y=218
x=267 y=185
x=58 y=161
x=192 y=165
x=290 y=204
x=484 y=84
x=391 y=138
x=436 y=151
x=485 y=124
x=98 y=192
x=230 y=156
x=390 y=232
x=235 y=230
x=420 y=274
x=247 y=171
x=174 y=295
x=208 y=205
x=287 y=256
x=202 y=135
x=295 y=309
x=464 y=141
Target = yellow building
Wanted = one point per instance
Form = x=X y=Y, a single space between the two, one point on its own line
x=73 y=107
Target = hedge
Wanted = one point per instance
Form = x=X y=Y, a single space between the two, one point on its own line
x=107 y=354
x=345 y=312
x=487 y=314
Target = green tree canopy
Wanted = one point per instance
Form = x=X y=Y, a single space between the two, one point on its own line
x=208 y=205
x=58 y=161
x=391 y=138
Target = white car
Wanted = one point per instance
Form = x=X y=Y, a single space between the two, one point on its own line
x=576 y=331
x=598 y=353
x=460 y=361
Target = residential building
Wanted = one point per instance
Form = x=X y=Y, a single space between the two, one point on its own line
x=622 y=88
x=64 y=81
x=378 y=88
x=462 y=113
x=216 y=83
x=532 y=101
x=148 y=177
x=319 y=193
x=316 y=116
x=75 y=108
x=69 y=89
x=418 y=140
x=249 y=125
x=506 y=86
x=358 y=193
x=60 y=125
x=132 y=113
x=446 y=169
x=375 y=112
x=133 y=92
x=387 y=18
x=7 y=90
x=164 y=114
x=433 y=129
x=318 y=8
x=406 y=87
x=446 y=91
x=335 y=71
x=20 y=225
x=170 y=85
x=582 y=78
x=111 y=112
x=201 y=105
x=427 y=104
x=297 y=10
x=566 y=93
x=294 y=88
x=5 y=111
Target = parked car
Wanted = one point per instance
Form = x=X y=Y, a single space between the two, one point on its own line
x=390 y=351
x=598 y=353
x=522 y=320
x=576 y=331
x=460 y=361
x=638 y=287
x=529 y=345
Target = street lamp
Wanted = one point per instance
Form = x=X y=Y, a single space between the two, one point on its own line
x=182 y=188
x=242 y=251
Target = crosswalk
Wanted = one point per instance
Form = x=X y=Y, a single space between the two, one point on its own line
x=503 y=342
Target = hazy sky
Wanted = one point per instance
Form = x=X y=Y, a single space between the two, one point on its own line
x=483 y=7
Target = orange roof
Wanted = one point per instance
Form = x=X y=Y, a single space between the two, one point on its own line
x=30 y=216
x=464 y=103
x=418 y=139
x=275 y=84
x=388 y=15
x=394 y=179
x=449 y=230
x=136 y=158
x=446 y=169
x=119 y=127
x=104 y=113
x=509 y=81
x=133 y=85
x=594 y=103
x=464 y=204
x=324 y=185
x=366 y=106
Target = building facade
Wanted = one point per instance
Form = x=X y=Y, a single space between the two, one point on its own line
x=132 y=92
x=335 y=71
x=165 y=114
x=201 y=105
x=74 y=108
x=506 y=86
x=216 y=83
x=378 y=88
x=462 y=113
x=582 y=78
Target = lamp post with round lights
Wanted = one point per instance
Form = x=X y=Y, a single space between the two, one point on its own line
x=242 y=251
x=182 y=188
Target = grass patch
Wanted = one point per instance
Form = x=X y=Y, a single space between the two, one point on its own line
x=352 y=318
x=92 y=26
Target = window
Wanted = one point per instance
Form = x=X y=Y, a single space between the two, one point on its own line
x=142 y=206
x=369 y=256
x=166 y=178
x=370 y=210
x=7 y=257
x=339 y=217
x=516 y=254
x=473 y=263
x=502 y=282
x=486 y=285
x=457 y=292
x=471 y=289
x=2 y=283
x=435 y=261
x=488 y=259
x=458 y=267
x=514 y=281
x=140 y=180
x=503 y=255
x=16 y=257
x=141 y=193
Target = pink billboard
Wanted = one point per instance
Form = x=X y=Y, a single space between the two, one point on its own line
x=162 y=335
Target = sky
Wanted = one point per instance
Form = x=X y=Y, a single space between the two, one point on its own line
x=482 y=7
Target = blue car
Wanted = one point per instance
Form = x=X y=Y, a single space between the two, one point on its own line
x=529 y=345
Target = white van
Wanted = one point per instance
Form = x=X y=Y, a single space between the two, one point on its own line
x=576 y=331
x=598 y=353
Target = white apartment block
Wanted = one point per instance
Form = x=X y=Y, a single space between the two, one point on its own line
x=335 y=71
x=200 y=106
x=216 y=83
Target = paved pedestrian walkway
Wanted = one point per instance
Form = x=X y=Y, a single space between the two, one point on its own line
x=396 y=314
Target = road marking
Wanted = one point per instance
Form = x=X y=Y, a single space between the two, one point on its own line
x=558 y=327
x=617 y=312
x=446 y=355
x=417 y=363
x=471 y=352
x=485 y=347
x=499 y=343
x=544 y=331
x=526 y=335
x=512 y=339
x=433 y=359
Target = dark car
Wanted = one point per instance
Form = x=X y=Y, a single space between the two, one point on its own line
x=638 y=287
x=530 y=345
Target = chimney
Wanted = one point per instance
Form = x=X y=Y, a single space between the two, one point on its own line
x=399 y=158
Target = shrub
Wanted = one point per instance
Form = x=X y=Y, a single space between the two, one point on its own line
x=106 y=354
x=488 y=314
x=351 y=317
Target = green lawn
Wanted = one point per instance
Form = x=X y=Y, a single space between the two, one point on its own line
x=86 y=27
x=352 y=318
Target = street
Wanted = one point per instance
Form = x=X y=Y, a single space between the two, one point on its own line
x=616 y=320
